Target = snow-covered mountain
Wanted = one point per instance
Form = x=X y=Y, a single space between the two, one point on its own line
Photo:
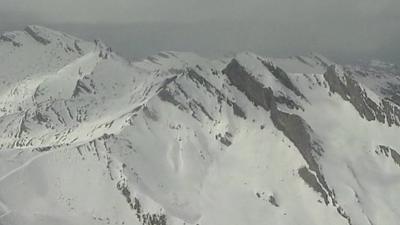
x=88 y=137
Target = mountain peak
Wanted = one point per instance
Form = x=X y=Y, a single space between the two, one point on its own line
x=39 y=34
x=46 y=35
x=38 y=28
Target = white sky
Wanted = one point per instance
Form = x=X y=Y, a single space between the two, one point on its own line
x=125 y=11
x=339 y=27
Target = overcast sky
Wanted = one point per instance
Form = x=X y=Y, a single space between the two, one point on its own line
x=340 y=28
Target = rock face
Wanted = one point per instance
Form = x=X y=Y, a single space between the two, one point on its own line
x=90 y=138
x=385 y=111
x=34 y=32
x=254 y=90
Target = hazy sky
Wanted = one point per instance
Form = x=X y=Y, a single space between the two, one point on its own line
x=343 y=29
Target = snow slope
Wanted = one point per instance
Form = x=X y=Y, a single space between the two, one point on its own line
x=90 y=138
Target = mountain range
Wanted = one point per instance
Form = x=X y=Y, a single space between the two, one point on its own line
x=88 y=137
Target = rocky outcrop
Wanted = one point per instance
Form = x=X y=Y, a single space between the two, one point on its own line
x=10 y=37
x=254 y=90
x=350 y=90
x=282 y=76
x=243 y=81
x=83 y=86
x=312 y=181
x=35 y=34
x=389 y=152
x=292 y=126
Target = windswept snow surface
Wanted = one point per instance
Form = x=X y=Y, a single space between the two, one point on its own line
x=88 y=137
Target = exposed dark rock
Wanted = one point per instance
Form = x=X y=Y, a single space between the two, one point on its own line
x=344 y=215
x=181 y=90
x=167 y=96
x=253 y=89
x=237 y=110
x=282 y=76
x=144 y=218
x=391 y=111
x=383 y=150
x=273 y=201
x=35 y=35
x=322 y=62
x=199 y=68
x=163 y=55
x=224 y=139
x=351 y=91
x=8 y=38
x=303 y=61
x=43 y=149
x=153 y=60
x=138 y=208
x=389 y=152
x=395 y=156
x=22 y=126
x=201 y=81
x=296 y=129
x=150 y=114
x=288 y=102
x=198 y=104
x=312 y=181
x=293 y=126
x=121 y=185
x=396 y=98
x=148 y=218
x=301 y=135
x=39 y=117
x=81 y=87
x=154 y=219
x=78 y=48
